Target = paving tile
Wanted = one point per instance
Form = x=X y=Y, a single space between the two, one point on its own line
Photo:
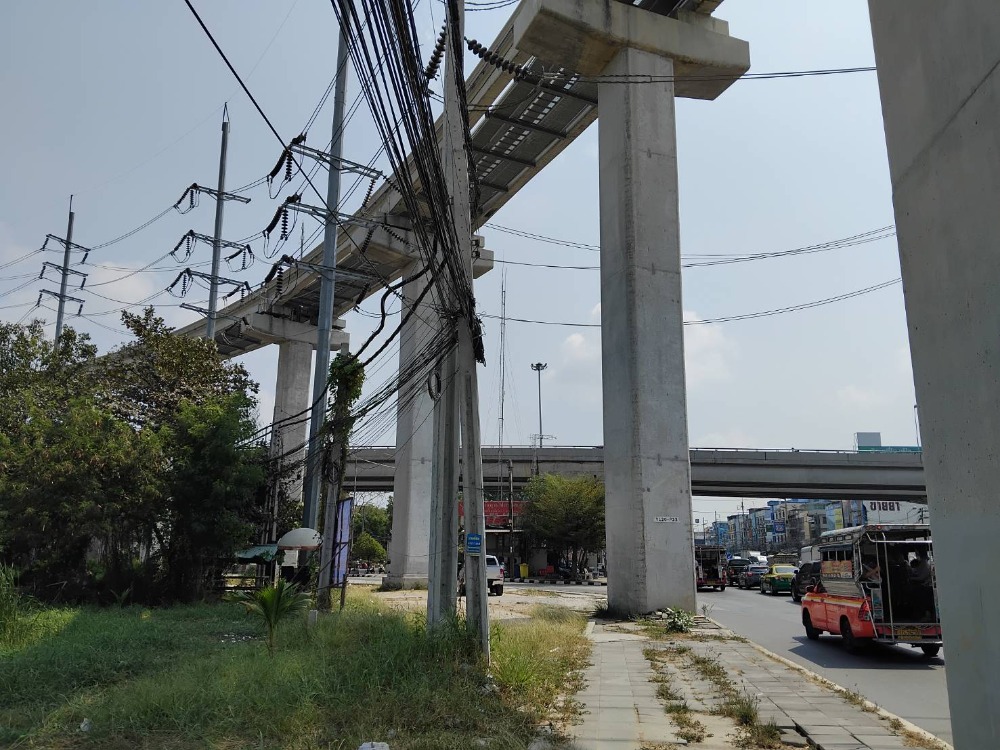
x=881 y=742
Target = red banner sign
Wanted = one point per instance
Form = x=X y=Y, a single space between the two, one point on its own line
x=497 y=512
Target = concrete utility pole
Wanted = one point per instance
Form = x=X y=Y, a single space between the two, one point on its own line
x=64 y=283
x=456 y=170
x=220 y=200
x=442 y=563
x=313 y=478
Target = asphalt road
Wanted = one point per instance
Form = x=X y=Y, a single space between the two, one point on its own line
x=900 y=679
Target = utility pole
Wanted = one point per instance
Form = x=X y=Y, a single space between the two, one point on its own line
x=538 y=367
x=68 y=244
x=64 y=273
x=456 y=172
x=220 y=200
x=313 y=474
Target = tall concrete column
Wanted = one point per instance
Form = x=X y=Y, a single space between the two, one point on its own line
x=412 y=487
x=291 y=404
x=647 y=467
x=939 y=76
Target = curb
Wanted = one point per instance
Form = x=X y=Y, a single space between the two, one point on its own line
x=559 y=582
x=909 y=726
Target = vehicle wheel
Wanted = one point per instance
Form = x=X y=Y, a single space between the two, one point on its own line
x=796 y=596
x=722 y=587
x=498 y=590
x=930 y=651
x=811 y=633
x=762 y=587
x=850 y=642
x=774 y=590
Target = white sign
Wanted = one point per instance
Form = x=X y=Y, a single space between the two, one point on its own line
x=666 y=519
x=895 y=511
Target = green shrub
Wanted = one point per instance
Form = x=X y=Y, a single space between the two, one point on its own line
x=272 y=605
x=677 y=620
x=10 y=606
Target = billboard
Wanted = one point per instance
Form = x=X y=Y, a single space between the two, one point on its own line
x=895 y=511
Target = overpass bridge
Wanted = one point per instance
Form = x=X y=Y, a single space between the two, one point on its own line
x=717 y=472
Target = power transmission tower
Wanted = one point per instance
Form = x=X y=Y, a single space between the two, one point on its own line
x=65 y=272
x=216 y=241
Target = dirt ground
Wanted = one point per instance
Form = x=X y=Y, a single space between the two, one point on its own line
x=515 y=603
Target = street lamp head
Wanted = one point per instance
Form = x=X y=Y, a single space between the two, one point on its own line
x=539 y=366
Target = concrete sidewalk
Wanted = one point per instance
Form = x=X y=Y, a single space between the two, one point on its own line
x=622 y=710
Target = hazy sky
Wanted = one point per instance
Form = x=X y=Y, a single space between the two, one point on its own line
x=119 y=103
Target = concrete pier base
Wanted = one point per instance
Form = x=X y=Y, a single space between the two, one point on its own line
x=647 y=471
x=412 y=487
x=939 y=76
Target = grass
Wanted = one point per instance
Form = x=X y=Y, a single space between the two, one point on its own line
x=199 y=676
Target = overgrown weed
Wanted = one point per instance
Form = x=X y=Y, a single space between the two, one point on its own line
x=200 y=676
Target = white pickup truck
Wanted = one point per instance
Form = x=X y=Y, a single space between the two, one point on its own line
x=494 y=576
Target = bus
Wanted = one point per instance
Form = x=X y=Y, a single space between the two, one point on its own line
x=877 y=585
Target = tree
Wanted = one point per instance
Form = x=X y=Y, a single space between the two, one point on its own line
x=139 y=468
x=367 y=549
x=213 y=489
x=373 y=520
x=146 y=380
x=566 y=514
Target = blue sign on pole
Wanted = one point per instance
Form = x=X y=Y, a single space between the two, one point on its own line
x=779 y=527
x=473 y=544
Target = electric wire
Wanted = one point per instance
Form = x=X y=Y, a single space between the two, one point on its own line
x=731 y=318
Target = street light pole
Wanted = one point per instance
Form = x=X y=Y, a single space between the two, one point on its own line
x=538 y=367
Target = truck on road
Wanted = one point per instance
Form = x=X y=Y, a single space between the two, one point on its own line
x=710 y=567
x=876 y=585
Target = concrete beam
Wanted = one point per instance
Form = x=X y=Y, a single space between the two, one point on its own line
x=939 y=78
x=586 y=37
x=823 y=475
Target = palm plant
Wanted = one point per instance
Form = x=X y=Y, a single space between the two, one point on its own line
x=273 y=604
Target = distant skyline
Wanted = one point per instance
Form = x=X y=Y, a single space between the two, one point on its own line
x=120 y=104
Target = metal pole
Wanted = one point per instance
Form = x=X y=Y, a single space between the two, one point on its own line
x=65 y=274
x=538 y=367
x=213 y=296
x=313 y=480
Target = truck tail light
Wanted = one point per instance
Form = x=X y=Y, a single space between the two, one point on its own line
x=864 y=614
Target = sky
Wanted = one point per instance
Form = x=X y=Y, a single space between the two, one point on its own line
x=119 y=104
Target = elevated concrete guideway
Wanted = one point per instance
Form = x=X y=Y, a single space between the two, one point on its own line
x=827 y=475
x=518 y=127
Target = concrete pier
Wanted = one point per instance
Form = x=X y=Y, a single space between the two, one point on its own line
x=939 y=76
x=291 y=403
x=647 y=472
x=412 y=486
x=650 y=544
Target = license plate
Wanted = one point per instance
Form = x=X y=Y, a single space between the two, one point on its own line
x=908 y=634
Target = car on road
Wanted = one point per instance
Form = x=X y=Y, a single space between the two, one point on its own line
x=735 y=566
x=777 y=579
x=807 y=576
x=750 y=576
x=494 y=577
